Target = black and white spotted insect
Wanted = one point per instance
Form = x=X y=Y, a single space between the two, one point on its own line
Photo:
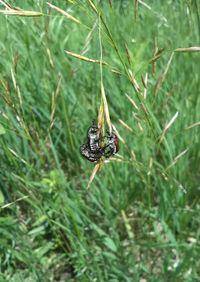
x=89 y=155
x=94 y=138
x=93 y=150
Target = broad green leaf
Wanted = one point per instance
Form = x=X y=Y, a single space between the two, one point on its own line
x=1 y=198
x=2 y=130
x=110 y=244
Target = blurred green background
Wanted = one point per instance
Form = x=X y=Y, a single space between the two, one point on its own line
x=140 y=218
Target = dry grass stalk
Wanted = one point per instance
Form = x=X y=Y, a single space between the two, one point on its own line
x=163 y=74
x=93 y=6
x=157 y=55
x=127 y=225
x=154 y=54
x=86 y=59
x=128 y=54
x=176 y=159
x=135 y=9
x=118 y=135
x=103 y=109
x=144 y=4
x=194 y=125
x=101 y=117
x=167 y=99
x=88 y=39
x=167 y=126
x=50 y=57
x=133 y=155
x=18 y=200
x=17 y=156
x=113 y=159
x=132 y=101
x=143 y=81
x=116 y=71
x=104 y=103
x=21 y=13
x=134 y=82
x=4 y=115
x=53 y=103
x=189 y=49
x=150 y=163
x=94 y=172
x=140 y=126
x=125 y=125
x=16 y=86
x=135 y=116
x=144 y=108
x=145 y=86
x=13 y=79
x=110 y=3
x=8 y=6
x=106 y=109
x=19 y=95
x=63 y=13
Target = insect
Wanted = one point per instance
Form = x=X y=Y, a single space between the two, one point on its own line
x=112 y=146
x=89 y=155
x=93 y=150
x=94 y=138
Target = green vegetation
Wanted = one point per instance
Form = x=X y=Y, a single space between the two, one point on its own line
x=140 y=218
